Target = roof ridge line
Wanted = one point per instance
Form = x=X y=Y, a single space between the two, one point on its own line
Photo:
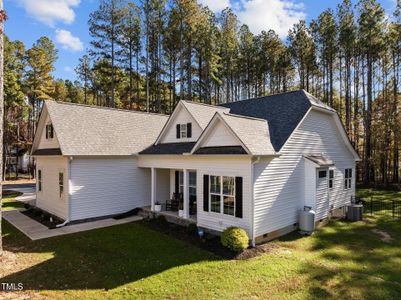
x=260 y=97
x=107 y=108
x=204 y=104
x=244 y=117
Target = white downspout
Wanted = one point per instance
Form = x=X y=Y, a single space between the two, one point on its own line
x=69 y=195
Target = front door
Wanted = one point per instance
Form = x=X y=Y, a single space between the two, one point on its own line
x=322 y=193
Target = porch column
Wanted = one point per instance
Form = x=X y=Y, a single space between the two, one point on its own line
x=153 y=188
x=186 y=193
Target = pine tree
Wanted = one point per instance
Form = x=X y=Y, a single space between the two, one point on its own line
x=104 y=27
x=130 y=42
x=84 y=72
x=371 y=26
x=346 y=41
x=2 y=20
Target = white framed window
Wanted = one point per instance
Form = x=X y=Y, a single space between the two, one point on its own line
x=61 y=183
x=39 y=180
x=192 y=183
x=222 y=194
x=183 y=130
x=348 y=178
x=215 y=194
x=331 y=179
x=229 y=195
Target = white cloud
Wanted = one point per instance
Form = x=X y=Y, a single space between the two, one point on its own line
x=50 y=11
x=215 y=5
x=68 y=41
x=278 y=15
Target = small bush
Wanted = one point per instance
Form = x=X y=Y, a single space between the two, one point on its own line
x=27 y=206
x=235 y=238
x=192 y=229
x=161 y=219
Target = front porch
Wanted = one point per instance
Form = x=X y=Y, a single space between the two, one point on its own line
x=173 y=193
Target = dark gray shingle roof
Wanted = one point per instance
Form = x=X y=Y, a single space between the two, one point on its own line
x=169 y=148
x=283 y=112
x=221 y=150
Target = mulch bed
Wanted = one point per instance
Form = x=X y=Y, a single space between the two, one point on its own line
x=42 y=217
x=208 y=242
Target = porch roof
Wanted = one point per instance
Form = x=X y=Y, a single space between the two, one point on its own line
x=320 y=160
x=169 y=148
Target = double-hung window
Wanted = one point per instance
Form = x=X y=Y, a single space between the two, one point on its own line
x=222 y=194
x=229 y=195
x=348 y=178
x=215 y=194
x=183 y=130
x=61 y=183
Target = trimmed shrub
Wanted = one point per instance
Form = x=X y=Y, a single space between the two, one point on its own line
x=235 y=238
x=192 y=229
x=161 y=219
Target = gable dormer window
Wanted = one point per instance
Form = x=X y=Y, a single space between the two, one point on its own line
x=184 y=130
x=49 y=131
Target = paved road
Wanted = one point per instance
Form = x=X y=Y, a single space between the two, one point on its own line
x=28 y=190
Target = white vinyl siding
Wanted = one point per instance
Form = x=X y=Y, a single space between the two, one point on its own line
x=47 y=143
x=280 y=190
x=220 y=135
x=182 y=117
x=107 y=186
x=49 y=198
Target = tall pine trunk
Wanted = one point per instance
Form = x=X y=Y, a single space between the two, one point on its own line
x=368 y=121
x=1 y=120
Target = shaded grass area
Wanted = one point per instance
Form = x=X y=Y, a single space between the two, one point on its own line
x=9 y=202
x=379 y=194
x=133 y=261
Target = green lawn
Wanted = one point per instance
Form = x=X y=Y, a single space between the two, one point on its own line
x=8 y=200
x=379 y=194
x=342 y=260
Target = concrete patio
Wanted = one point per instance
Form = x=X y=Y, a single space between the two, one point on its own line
x=36 y=231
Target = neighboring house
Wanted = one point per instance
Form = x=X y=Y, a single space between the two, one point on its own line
x=252 y=163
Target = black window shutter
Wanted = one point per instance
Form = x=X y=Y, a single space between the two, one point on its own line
x=47 y=131
x=177 y=182
x=51 y=131
x=178 y=131
x=189 y=130
x=238 y=197
x=206 y=192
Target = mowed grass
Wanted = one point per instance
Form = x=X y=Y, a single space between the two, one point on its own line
x=9 y=202
x=340 y=261
x=367 y=193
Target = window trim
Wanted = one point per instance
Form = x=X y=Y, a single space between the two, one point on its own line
x=183 y=131
x=222 y=195
x=348 y=178
x=331 y=179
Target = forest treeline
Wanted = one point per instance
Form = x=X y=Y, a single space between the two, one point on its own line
x=148 y=55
